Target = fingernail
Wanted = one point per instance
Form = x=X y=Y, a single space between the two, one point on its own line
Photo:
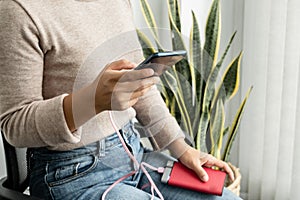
x=204 y=178
x=149 y=72
x=232 y=177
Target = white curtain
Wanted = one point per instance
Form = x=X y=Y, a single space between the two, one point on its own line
x=267 y=150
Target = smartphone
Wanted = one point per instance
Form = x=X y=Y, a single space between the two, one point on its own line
x=176 y=174
x=161 y=61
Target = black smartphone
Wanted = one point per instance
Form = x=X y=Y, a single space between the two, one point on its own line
x=161 y=61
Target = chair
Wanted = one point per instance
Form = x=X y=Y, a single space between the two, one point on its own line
x=15 y=183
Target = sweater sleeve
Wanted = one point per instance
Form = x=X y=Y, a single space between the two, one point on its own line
x=158 y=124
x=26 y=119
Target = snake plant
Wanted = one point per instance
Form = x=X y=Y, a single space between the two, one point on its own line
x=193 y=89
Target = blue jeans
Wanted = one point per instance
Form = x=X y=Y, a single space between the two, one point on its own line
x=85 y=173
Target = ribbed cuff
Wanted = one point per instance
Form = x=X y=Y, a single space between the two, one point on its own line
x=51 y=124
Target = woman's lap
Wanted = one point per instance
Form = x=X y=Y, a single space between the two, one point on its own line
x=143 y=191
x=87 y=172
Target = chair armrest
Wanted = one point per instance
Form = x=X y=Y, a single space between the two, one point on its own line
x=8 y=194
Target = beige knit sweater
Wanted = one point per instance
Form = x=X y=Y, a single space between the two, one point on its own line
x=50 y=48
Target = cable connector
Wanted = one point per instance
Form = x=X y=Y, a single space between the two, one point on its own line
x=160 y=170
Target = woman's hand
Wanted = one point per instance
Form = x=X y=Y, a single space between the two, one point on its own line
x=119 y=87
x=194 y=159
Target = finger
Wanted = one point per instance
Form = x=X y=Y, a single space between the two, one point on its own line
x=121 y=65
x=132 y=102
x=139 y=93
x=137 y=75
x=137 y=85
x=145 y=83
x=212 y=161
x=228 y=170
x=201 y=174
x=124 y=97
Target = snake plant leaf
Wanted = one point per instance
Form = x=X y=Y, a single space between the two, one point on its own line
x=172 y=83
x=150 y=20
x=196 y=63
x=226 y=131
x=178 y=20
x=167 y=92
x=231 y=79
x=192 y=90
x=212 y=39
x=182 y=72
x=167 y=95
x=188 y=98
x=210 y=85
x=216 y=129
x=183 y=67
x=234 y=127
x=175 y=28
x=177 y=40
x=202 y=131
x=227 y=48
x=173 y=106
x=195 y=58
x=220 y=136
x=146 y=44
x=164 y=92
x=196 y=121
x=148 y=15
x=174 y=8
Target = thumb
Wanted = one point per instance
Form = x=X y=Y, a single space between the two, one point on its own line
x=201 y=174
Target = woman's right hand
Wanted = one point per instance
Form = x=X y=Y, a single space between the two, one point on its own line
x=119 y=87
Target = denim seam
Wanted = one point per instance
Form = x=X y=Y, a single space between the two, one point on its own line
x=45 y=180
x=67 y=157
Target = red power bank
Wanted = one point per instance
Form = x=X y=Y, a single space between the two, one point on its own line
x=181 y=176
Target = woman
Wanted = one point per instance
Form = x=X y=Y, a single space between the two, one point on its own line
x=66 y=80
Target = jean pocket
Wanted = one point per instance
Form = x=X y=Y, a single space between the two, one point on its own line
x=66 y=171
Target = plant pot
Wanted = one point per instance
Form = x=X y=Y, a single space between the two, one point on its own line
x=235 y=185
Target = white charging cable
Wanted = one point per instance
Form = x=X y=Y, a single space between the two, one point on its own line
x=137 y=166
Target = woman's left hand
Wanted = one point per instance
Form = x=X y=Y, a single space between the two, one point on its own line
x=194 y=159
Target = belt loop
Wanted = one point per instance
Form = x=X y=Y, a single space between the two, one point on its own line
x=124 y=131
x=101 y=147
